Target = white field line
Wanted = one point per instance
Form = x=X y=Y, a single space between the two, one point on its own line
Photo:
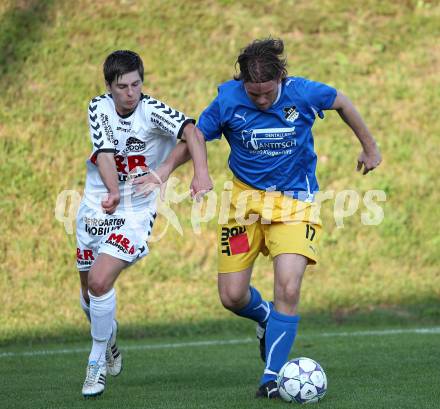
x=378 y=333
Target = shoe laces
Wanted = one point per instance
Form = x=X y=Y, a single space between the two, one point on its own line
x=92 y=374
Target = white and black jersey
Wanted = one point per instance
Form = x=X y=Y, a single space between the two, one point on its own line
x=140 y=141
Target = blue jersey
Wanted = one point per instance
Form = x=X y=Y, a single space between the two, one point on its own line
x=272 y=149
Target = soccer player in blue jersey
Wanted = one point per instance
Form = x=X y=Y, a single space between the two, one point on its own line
x=266 y=117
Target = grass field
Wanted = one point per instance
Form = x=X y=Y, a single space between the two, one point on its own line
x=359 y=305
x=383 y=54
x=392 y=368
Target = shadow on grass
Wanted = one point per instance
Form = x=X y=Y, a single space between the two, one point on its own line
x=417 y=315
x=21 y=32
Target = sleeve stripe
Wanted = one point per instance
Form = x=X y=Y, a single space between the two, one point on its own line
x=188 y=121
x=172 y=113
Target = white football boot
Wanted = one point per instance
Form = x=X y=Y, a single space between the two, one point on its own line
x=95 y=380
x=113 y=356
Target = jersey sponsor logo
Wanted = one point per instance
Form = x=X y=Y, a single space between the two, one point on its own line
x=268 y=138
x=121 y=129
x=131 y=166
x=124 y=178
x=84 y=257
x=163 y=123
x=124 y=126
x=101 y=227
x=234 y=240
x=133 y=145
x=108 y=129
x=121 y=242
x=290 y=113
x=93 y=221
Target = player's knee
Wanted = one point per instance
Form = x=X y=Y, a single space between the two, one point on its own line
x=288 y=294
x=230 y=304
x=98 y=287
x=286 y=306
x=233 y=299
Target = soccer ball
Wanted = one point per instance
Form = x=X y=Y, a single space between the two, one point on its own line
x=302 y=380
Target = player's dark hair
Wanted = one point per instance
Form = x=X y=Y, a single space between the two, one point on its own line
x=262 y=61
x=121 y=62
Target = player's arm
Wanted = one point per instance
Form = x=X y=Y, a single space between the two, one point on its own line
x=103 y=153
x=192 y=145
x=177 y=157
x=195 y=141
x=107 y=170
x=370 y=156
x=147 y=183
x=201 y=182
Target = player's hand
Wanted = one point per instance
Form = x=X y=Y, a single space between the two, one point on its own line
x=110 y=203
x=148 y=183
x=368 y=161
x=200 y=185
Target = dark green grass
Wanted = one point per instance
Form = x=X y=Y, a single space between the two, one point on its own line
x=383 y=54
x=373 y=370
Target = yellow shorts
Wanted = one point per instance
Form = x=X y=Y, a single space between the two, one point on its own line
x=268 y=222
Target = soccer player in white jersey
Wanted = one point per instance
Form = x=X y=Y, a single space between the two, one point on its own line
x=131 y=135
x=266 y=117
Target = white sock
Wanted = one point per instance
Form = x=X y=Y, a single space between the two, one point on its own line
x=102 y=313
x=85 y=307
x=113 y=327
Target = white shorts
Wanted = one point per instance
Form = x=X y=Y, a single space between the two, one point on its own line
x=121 y=235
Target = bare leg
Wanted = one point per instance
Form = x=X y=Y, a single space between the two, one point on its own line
x=233 y=289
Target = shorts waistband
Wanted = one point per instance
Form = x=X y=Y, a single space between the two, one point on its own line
x=302 y=196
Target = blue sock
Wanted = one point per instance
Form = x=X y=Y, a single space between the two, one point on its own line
x=257 y=309
x=280 y=335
